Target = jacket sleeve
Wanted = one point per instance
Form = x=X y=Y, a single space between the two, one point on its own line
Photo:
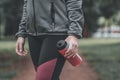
x=22 y=31
x=75 y=17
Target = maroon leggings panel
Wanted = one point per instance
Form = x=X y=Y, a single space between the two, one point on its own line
x=45 y=57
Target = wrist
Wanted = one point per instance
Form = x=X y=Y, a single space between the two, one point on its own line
x=21 y=38
x=74 y=35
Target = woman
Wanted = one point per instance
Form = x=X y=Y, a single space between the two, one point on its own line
x=45 y=22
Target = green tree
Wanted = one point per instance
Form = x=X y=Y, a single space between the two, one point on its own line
x=12 y=11
x=96 y=8
x=93 y=9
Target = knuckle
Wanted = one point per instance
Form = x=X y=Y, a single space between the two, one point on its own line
x=71 y=50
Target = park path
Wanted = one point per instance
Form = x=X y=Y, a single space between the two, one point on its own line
x=25 y=71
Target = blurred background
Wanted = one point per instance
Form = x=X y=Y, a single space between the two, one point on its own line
x=100 y=45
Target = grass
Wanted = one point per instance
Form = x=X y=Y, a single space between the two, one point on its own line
x=7 y=44
x=102 y=54
x=7 y=59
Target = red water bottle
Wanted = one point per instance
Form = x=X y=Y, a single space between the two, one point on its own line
x=62 y=47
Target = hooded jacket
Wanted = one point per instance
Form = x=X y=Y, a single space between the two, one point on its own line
x=51 y=17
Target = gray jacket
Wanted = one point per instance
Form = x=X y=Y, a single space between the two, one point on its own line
x=50 y=17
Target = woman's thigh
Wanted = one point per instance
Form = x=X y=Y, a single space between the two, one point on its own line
x=35 y=44
x=50 y=61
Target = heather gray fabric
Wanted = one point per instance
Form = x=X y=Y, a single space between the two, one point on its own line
x=44 y=17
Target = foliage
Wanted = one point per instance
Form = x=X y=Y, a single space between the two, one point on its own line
x=99 y=8
x=7 y=59
x=7 y=75
x=12 y=10
x=116 y=18
x=93 y=9
x=103 y=54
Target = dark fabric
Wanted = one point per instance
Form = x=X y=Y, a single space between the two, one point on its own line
x=43 y=16
x=43 y=49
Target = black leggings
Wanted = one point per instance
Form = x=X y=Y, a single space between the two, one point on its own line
x=46 y=59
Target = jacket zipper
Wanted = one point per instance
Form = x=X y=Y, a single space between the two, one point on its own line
x=34 y=18
x=53 y=15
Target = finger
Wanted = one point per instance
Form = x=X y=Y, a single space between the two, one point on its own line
x=73 y=48
x=21 y=47
x=24 y=52
x=72 y=55
x=69 y=48
x=68 y=53
x=21 y=53
x=17 y=48
x=72 y=51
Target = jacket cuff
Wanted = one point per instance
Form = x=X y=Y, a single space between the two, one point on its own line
x=20 y=35
x=71 y=33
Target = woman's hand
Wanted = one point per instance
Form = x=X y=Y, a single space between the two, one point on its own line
x=73 y=46
x=20 y=46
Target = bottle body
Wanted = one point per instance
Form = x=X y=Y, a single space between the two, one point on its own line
x=62 y=48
